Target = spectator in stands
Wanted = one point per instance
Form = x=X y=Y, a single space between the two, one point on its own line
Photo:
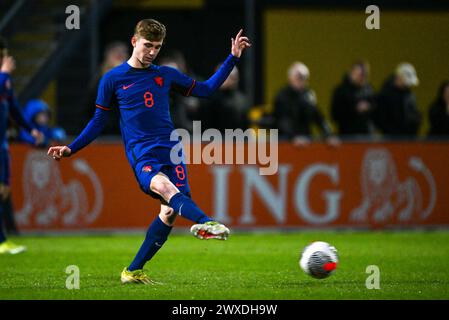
x=228 y=107
x=115 y=54
x=396 y=113
x=353 y=102
x=439 y=113
x=183 y=110
x=37 y=112
x=295 y=109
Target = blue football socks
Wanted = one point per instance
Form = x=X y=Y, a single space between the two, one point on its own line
x=185 y=207
x=156 y=236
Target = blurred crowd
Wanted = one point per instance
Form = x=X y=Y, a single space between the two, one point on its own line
x=356 y=110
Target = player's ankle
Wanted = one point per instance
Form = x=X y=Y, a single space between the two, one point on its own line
x=204 y=220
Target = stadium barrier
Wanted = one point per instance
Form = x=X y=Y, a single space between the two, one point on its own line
x=356 y=185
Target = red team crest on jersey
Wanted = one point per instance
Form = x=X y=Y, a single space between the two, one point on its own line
x=159 y=81
x=147 y=169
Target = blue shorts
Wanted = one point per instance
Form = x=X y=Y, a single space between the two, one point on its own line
x=158 y=160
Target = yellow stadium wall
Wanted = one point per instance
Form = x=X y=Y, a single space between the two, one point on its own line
x=165 y=4
x=328 y=41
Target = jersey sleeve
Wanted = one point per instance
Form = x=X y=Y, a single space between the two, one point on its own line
x=91 y=131
x=14 y=108
x=181 y=82
x=188 y=86
x=105 y=93
x=3 y=78
x=17 y=115
x=208 y=87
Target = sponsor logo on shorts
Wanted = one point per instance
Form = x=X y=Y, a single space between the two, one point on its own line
x=147 y=169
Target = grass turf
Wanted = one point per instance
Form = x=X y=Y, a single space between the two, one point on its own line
x=413 y=265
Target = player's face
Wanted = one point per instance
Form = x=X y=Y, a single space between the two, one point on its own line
x=145 y=50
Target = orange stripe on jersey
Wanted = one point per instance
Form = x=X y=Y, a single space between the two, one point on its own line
x=104 y=108
x=191 y=88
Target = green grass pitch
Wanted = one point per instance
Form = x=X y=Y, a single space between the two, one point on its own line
x=413 y=265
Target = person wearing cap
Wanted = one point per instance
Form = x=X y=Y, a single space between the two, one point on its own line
x=295 y=109
x=353 y=102
x=397 y=113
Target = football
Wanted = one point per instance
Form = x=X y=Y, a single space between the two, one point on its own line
x=319 y=259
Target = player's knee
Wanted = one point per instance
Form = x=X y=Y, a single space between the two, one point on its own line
x=162 y=187
x=168 y=216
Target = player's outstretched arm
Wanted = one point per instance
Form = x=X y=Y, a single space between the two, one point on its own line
x=208 y=87
x=89 y=134
x=8 y=65
x=17 y=115
x=59 y=152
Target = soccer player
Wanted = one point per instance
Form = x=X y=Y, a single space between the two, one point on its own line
x=140 y=89
x=8 y=105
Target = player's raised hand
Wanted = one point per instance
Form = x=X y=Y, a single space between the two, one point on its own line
x=58 y=152
x=239 y=44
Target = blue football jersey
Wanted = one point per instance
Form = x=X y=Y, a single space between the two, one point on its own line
x=142 y=96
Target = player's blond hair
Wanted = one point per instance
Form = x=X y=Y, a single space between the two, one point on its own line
x=150 y=29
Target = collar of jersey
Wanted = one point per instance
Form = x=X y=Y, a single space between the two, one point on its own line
x=151 y=67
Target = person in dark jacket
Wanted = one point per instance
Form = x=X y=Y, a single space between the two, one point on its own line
x=439 y=113
x=353 y=102
x=228 y=107
x=295 y=109
x=397 y=113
